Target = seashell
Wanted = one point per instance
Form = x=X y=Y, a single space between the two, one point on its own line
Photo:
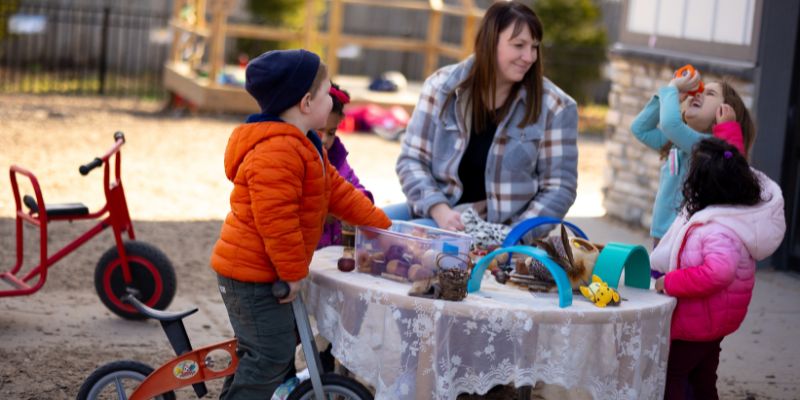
x=418 y=272
x=428 y=259
x=394 y=266
x=364 y=261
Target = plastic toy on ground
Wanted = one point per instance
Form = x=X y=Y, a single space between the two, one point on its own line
x=388 y=123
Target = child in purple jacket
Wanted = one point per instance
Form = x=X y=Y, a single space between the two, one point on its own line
x=337 y=155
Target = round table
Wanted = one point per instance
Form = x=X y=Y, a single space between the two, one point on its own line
x=416 y=348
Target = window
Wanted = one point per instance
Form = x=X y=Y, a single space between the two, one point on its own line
x=717 y=28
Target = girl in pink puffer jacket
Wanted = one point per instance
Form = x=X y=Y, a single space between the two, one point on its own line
x=732 y=216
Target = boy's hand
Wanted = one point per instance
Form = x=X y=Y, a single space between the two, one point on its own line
x=725 y=113
x=686 y=83
x=660 y=285
x=294 y=288
x=446 y=217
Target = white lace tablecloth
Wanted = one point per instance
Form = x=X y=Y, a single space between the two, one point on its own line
x=414 y=348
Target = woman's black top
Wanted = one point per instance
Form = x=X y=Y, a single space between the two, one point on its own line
x=472 y=169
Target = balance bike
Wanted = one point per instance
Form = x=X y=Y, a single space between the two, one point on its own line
x=133 y=380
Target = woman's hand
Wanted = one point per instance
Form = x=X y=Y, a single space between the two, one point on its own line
x=686 y=83
x=446 y=217
x=725 y=113
x=294 y=288
x=660 y=285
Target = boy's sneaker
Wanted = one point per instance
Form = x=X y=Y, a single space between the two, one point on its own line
x=303 y=375
x=282 y=392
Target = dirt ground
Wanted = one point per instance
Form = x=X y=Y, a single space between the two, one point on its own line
x=177 y=195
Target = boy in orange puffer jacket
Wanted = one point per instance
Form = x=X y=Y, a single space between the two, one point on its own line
x=283 y=188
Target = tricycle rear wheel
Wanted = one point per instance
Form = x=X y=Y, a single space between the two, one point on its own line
x=153 y=278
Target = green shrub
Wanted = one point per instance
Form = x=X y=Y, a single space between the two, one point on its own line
x=7 y=8
x=574 y=45
x=275 y=13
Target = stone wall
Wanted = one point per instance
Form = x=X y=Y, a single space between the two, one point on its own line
x=631 y=176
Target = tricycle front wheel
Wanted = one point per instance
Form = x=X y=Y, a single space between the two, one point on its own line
x=152 y=278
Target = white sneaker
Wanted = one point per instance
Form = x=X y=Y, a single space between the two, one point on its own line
x=303 y=375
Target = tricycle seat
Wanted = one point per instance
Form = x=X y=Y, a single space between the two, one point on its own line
x=57 y=210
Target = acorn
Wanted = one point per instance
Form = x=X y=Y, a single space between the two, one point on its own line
x=378 y=264
x=501 y=276
x=394 y=252
x=346 y=264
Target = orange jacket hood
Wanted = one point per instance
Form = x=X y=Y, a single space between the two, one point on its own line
x=246 y=136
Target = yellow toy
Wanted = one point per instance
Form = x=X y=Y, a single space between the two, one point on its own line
x=599 y=293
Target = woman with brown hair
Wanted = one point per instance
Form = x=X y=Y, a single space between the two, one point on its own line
x=491 y=132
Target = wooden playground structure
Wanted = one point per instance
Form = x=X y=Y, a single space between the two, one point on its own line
x=201 y=27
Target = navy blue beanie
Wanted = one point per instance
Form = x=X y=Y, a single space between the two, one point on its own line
x=278 y=79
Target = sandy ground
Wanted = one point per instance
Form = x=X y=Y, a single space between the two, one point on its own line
x=177 y=195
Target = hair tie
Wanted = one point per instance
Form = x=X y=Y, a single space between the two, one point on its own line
x=339 y=95
x=727 y=154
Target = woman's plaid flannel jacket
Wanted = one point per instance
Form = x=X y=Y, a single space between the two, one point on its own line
x=530 y=171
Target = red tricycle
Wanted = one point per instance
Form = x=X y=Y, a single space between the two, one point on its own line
x=131 y=266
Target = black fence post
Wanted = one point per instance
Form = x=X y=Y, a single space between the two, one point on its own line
x=104 y=50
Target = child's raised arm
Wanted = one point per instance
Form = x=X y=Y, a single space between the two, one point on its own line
x=645 y=125
x=672 y=124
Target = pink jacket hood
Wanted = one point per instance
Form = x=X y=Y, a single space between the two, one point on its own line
x=760 y=227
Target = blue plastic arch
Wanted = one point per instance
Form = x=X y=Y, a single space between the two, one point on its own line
x=562 y=282
x=519 y=230
x=616 y=256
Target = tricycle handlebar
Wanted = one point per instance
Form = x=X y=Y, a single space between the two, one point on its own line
x=88 y=167
x=119 y=140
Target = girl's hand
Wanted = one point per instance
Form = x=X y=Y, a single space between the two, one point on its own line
x=446 y=217
x=660 y=285
x=686 y=83
x=725 y=113
x=294 y=288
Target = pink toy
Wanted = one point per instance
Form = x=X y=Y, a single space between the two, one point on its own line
x=387 y=123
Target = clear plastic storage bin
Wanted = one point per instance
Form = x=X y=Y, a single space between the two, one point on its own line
x=408 y=251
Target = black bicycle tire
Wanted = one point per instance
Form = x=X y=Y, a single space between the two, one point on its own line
x=331 y=380
x=113 y=367
x=155 y=257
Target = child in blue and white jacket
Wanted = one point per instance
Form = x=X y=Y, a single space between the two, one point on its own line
x=672 y=128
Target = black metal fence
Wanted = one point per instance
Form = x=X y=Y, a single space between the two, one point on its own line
x=48 y=47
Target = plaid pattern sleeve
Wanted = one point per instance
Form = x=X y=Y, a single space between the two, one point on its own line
x=557 y=163
x=414 y=165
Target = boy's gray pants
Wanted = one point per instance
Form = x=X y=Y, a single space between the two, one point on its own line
x=267 y=340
